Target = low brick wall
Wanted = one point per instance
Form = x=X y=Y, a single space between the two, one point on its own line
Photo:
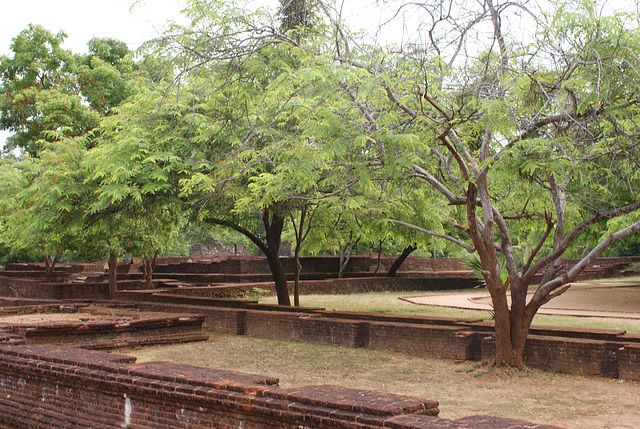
x=335 y=286
x=50 y=386
x=59 y=387
x=425 y=282
x=420 y=336
x=573 y=356
x=577 y=356
x=424 y=340
x=34 y=289
x=629 y=362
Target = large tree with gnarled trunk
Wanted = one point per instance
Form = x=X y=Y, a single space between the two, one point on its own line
x=521 y=144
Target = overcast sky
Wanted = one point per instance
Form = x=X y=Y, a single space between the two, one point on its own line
x=85 y=19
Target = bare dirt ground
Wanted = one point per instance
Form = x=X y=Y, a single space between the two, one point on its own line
x=617 y=298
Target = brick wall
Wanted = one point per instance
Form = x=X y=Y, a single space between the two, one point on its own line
x=101 y=328
x=32 y=289
x=573 y=355
x=423 y=340
x=421 y=336
x=331 y=286
x=586 y=357
x=53 y=386
x=629 y=362
x=59 y=387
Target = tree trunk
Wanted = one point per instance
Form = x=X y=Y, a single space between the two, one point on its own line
x=113 y=275
x=296 y=281
x=346 y=257
x=148 y=266
x=511 y=324
x=400 y=260
x=296 y=256
x=379 y=258
x=49 y=265
x=506 y=355
x=273 y=226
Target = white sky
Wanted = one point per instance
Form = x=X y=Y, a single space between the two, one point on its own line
x=84 y=19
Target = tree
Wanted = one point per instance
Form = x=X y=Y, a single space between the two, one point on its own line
x=39 y=96
x=48 y=217
x=297 y=17
x=529 y=145
x=133 y=173
x=106 y=74
x=257 y=111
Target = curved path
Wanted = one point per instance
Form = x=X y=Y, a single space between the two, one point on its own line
x=619 y=298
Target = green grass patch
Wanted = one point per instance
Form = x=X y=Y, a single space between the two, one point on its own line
x=389 y=303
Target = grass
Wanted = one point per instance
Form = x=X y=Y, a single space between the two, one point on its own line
x=382 y=302
x=462 y=389
x=389 y=303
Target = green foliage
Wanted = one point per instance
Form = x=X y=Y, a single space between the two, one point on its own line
x=48 y=217
x=39 y=95
x=105 y=77
x=10 y=177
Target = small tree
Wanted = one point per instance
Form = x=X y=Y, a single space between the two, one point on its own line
x=48 y=219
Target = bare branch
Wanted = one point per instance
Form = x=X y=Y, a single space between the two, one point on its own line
x=544 y=237
x=435 y=234
x=545 y=289
x=423 y=174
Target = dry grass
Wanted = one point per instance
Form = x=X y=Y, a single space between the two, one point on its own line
x=462 y=389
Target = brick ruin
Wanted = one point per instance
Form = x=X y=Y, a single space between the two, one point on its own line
x=46 y=384
x=98 y=327
x=59 y=387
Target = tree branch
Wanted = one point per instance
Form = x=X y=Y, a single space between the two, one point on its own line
x=545 y=290
x=423 y=174
x=435 y=234
x=574 y=233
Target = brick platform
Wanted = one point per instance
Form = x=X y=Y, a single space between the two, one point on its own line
x=99 y=327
